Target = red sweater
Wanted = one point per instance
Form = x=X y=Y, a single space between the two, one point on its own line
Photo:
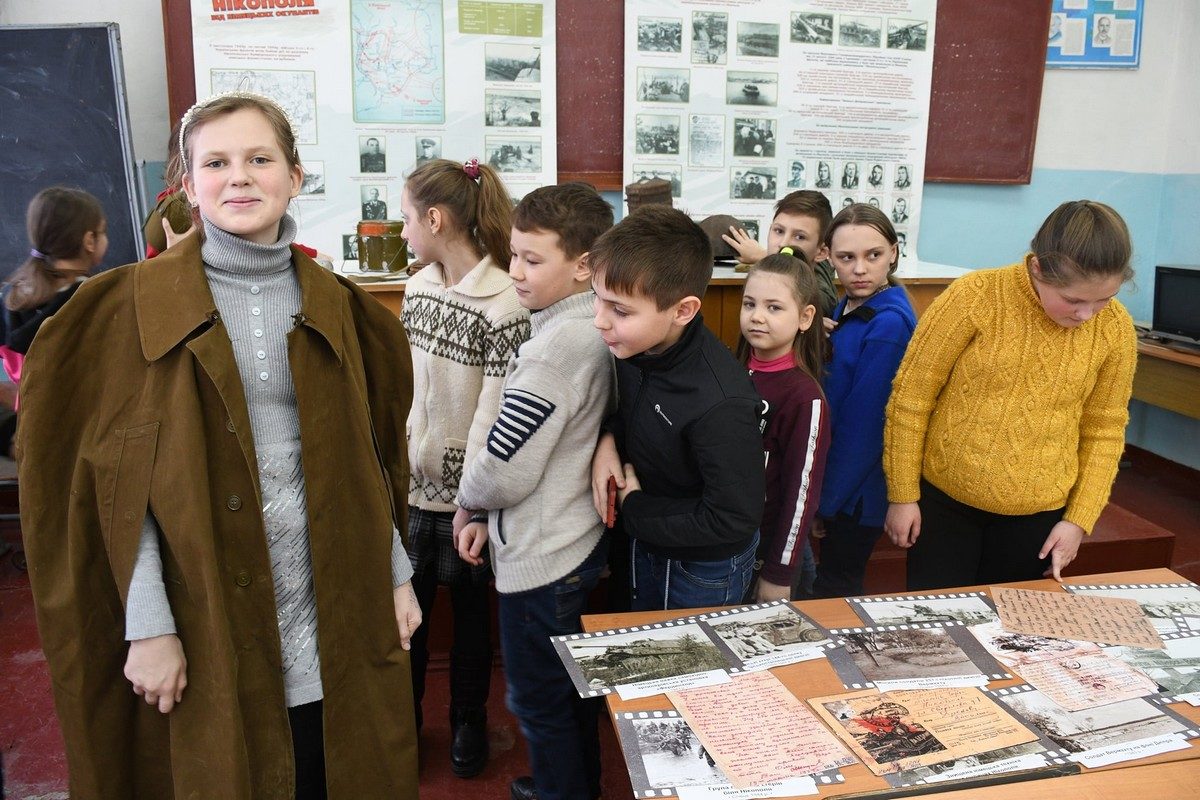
x=796 y=440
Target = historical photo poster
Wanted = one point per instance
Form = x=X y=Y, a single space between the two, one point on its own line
x=1095 y=33
x=754 y=99
x=376 y=87
x=926 y=656
x=967 y=608
x=767 y=635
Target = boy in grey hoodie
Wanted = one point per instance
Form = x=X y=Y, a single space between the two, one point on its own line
x=531 y=486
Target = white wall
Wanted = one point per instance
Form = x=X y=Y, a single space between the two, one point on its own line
x=142 y=50
x=1129 y=120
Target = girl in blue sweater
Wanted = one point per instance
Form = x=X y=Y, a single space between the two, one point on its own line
x=874 y=322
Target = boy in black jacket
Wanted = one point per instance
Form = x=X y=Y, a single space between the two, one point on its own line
x=685 y=445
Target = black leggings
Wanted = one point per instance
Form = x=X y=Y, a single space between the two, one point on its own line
x=960 y=545
x=308 y=748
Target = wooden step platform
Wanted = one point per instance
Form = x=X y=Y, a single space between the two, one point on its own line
x=1121 y=541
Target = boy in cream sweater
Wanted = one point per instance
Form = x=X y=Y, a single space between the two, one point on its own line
x=531 y=486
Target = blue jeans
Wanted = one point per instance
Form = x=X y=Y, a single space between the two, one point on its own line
x=559 y=726
x=661 y=583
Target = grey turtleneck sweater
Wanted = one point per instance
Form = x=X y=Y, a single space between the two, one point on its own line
x=256 y=292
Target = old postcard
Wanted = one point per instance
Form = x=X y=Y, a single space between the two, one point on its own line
x=968 y=608
x=906 y=729
x=1108 y=620
x=927 y=656
x=758 y=732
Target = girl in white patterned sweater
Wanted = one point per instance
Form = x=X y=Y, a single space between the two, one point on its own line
x=464 y=323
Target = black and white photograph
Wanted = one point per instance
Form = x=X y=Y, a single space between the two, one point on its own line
x=656 y=134
x=808 y=28
x=925 y=656
x=1175 y=672
x=1160 y=602
x=759 y=39
x=350 y=247
x=855 y=31
x=662 y=85
x=900 y=210
x=754 y=137
x=514 y=155
x=751 y=88
x=1102 y=30
x=768 y=635
x=847 y=201
x=710 y=37
x=875 y=176
x=903 y=177
x=512 y=109
x=753 y=183
x=1103 y=726
x=660 y=34
x=1017 y=649
x=601 y=662
x=796 y=175
x=662 y=752
x=374 y=202
x=428 y=148
x=901 y=234
x=750 y=226
x=313 y=184
x=907 y=34
x=514 y=63
x=968 y=608
x=824 y=179
x=706 y=140
x=372 y=154
x=874 y=201
x=672 y=173
x=850 y=177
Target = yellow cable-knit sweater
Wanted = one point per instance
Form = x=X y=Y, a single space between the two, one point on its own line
x=1005 y=410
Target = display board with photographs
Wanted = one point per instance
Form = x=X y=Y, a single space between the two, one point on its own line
x=966 y=608
x=759 y=98
x=1095 y=33
x=375 y=88
x=924 y=656
x=1160 y=602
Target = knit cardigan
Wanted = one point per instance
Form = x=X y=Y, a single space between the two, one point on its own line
x=462 y=338
x=1005 y=410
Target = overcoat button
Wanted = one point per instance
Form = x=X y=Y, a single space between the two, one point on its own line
x=229 y=426
x=234 y=502
x=242 y=579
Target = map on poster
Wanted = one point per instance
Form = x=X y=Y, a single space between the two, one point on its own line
x=375 y=88
x=397 y=50
x=739 y=103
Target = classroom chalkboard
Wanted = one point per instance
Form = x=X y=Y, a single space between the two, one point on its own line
x=64 y=122
x=988 y=63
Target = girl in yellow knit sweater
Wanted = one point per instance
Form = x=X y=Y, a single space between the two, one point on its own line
x=1007 y=416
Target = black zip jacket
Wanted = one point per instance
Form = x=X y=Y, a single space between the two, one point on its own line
x=688 y=419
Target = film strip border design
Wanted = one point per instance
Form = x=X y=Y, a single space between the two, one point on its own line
x=827 y=778
x=1184 y=632
x=842 y=632
x=907 y=597
x=1160 y=700
x=572 y=637
x=1071 y=587
x=1187 y=622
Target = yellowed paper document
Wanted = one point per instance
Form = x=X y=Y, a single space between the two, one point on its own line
x=1092 y=618
x=757 y=731
x=910 y=728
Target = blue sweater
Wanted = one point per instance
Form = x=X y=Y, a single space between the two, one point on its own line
x=867 y=347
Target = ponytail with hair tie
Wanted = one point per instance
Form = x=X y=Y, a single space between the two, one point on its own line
x=471 y=167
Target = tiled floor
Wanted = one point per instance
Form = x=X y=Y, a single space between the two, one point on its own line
x=31 y=747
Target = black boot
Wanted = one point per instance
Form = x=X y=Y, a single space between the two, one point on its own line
x=468 y=741
x=522 y=789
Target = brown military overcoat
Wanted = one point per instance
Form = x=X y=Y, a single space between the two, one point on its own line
x=131 y=399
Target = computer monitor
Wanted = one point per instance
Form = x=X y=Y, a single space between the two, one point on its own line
x=1177 y=303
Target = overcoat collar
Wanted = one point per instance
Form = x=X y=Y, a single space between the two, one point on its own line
x=172 y=299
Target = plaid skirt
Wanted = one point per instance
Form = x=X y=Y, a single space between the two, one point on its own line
x=431 y=547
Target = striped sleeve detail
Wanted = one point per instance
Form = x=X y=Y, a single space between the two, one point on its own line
x=805 y=483
x=521 y=414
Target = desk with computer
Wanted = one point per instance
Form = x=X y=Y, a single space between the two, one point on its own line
x=1168 y=371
